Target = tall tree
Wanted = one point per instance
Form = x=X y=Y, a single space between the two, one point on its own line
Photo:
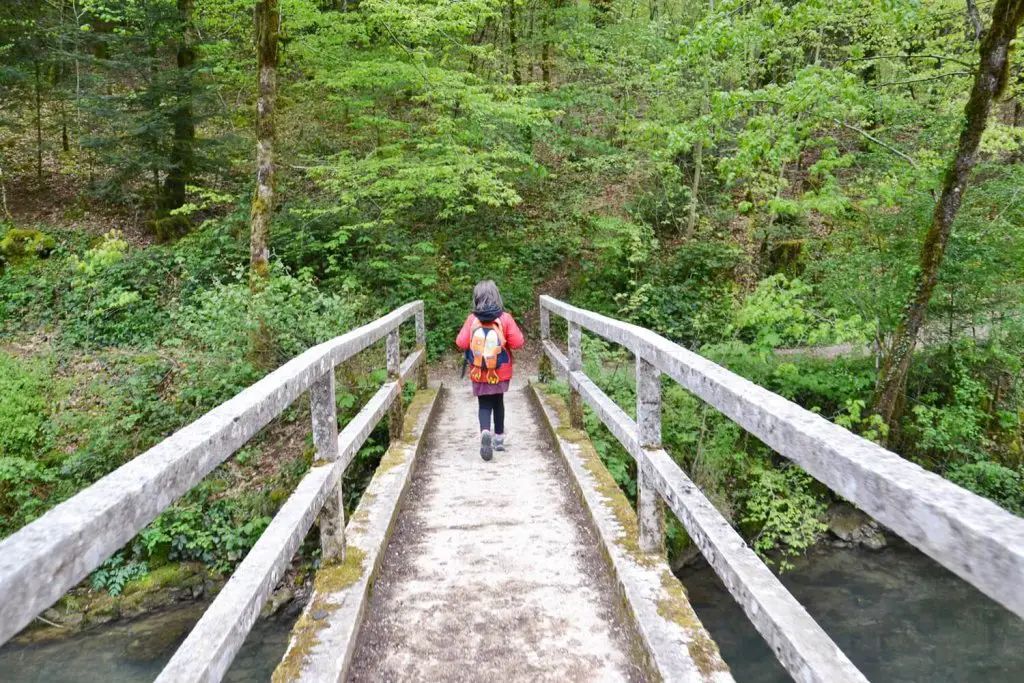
x=182 y=153
x=698 y=150
x=267 y=27
x=989 y=82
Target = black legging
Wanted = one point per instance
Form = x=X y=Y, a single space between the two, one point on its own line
x=494 y=403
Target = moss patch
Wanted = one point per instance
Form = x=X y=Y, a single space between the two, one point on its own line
x=420 y=402
x=330 y=579
x=187 y=574
x=676 y=608
x=22 y=242
x=361 y=516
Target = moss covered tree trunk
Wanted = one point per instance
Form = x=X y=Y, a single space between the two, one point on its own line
x=989 y=81
x=267 y=27
x=182 y=156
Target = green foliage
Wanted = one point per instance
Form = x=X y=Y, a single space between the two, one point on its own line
x=296 y=314
x=423 y=146
x=217 y=534
x=111 y=249
x=992 y=480
x=781 y=504
x=23 y=406
x=779 y=313
x=115 y=573
x=24 y=409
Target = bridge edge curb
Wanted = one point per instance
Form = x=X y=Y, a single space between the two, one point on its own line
x=323 y=639
x=675 y=644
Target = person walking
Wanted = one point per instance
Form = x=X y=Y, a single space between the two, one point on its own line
x=488 y=337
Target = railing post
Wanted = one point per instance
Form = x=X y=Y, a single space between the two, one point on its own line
x=544 y=370
x=325 y=439
x=575 y=364
x=421 y=344
x=651 y=512
x=394 y=363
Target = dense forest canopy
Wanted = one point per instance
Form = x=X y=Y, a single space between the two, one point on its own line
x=193 y=191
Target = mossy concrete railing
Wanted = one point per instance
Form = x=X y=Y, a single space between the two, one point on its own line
x=971 y=536
x=40 y=562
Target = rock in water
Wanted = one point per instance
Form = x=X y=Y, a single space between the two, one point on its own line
x=853 y=527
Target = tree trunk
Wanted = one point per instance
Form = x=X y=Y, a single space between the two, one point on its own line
x=550 y=17
x=698 y=150
x=989 y=82
x=513 y=41
x=39 y=123
x=182 y=156
x=267 y=26
x=3 y=196
x=974 y=27
x=698 y=162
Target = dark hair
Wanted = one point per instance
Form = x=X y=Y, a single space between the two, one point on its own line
x=486 y=294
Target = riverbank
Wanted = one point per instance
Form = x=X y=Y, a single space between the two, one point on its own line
x=183 y=587
x=135 y=650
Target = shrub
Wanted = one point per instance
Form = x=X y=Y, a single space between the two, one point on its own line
x=116 y=572
x=292 y=310
x=24 y=473
x=118 y=296
x=781 y=503
x=217 y=534
x=993 y=481
x=22 y=406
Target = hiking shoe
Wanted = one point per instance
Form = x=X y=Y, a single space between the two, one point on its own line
x=499 y=442
x=485 y=445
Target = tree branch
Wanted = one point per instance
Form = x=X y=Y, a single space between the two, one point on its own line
x=925 y=79
x=936 y=57
x=902 y=155
x=974 y=18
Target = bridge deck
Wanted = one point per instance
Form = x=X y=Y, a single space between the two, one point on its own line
x=492 y=573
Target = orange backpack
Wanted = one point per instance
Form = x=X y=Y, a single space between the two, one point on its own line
x=486 y=351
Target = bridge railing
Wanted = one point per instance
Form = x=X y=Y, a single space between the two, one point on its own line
x=971 y=536
x=40 y=562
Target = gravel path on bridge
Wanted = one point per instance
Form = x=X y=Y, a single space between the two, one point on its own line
x=492 y=573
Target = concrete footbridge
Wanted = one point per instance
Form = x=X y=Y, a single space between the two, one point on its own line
x=531 y=567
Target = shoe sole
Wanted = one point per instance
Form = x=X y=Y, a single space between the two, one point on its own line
x=486 y=452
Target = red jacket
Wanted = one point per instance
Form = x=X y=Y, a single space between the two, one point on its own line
x=513 y=338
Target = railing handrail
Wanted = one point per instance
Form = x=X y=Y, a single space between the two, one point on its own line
x=971 y=536
x=43 y=560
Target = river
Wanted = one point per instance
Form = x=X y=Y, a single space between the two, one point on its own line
x=899 y=616
x=135 y=651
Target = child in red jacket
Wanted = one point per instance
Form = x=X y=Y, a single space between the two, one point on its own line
x=488 y=337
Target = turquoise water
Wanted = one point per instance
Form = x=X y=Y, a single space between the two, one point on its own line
x=899 y=616
x=126 y=652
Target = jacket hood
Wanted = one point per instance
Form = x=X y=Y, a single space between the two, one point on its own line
x=488 y=313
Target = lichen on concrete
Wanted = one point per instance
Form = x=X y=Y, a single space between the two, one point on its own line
x=423 y=399
x=676 y=608
x=337 y=588
x=330 y=580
